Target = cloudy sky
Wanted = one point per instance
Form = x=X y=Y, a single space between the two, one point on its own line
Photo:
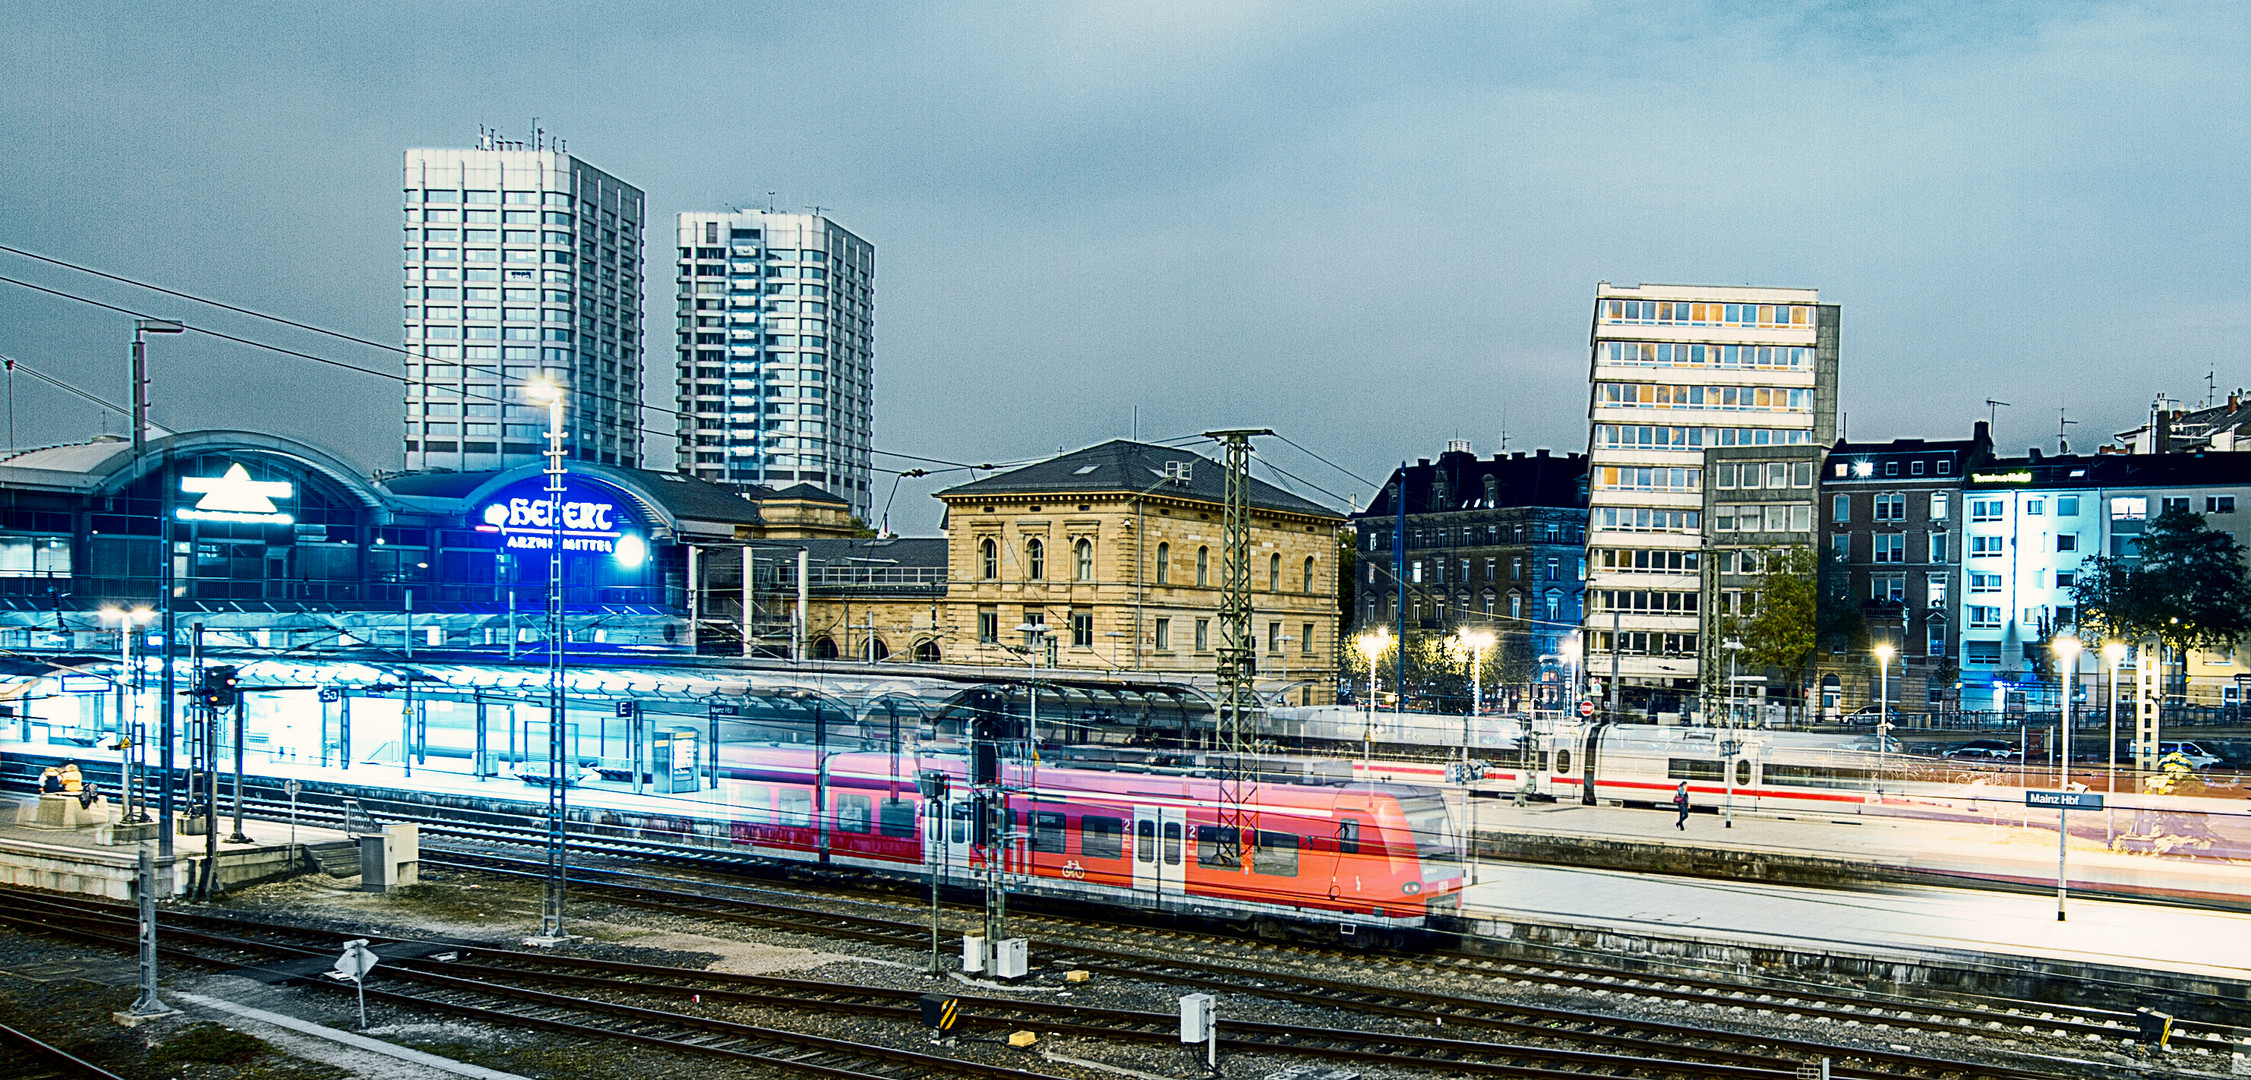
x=1372 y=228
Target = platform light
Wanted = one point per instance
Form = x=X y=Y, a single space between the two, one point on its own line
x=631 y=551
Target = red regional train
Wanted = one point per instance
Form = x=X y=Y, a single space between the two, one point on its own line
x=1334 y=859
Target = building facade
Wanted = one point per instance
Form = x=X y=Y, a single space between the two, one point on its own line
x=1894 y=522
x=1119 y=549
x=1676 y=370
x=1493 y=543
x=521 y=264
x=776 y=351
x=1758 y=506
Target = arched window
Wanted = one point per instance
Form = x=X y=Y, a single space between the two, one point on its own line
x=1309 y=573
x=1554 y=604
x=988 y=559
x=1082 y=560
x=1035 y=559
x=1274 y=573
x=926 y=652
x=824 y=648
x=1203 y=566
x=875 y=649
x=1164 y=564
x=1492 y=491
x=1516 y=605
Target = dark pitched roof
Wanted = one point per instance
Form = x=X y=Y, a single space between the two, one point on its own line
x=1123 y=466
x=807 y=492
x=1520 y=479
x=915 y=551
x=684 y=497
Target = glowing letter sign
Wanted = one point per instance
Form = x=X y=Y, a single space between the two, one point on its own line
x=527 y=522
x=235 y=498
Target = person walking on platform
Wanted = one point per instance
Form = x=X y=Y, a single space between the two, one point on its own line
x=1680 y=803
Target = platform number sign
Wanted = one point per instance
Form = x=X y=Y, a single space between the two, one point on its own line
x=625 y=709
x=330 y=693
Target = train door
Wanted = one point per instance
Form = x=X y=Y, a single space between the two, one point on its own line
x=961 y=834
x=1160 y=842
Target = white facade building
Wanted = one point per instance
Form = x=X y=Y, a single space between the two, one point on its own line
x=1677 y=369
x=776 y=352
x=520 y=263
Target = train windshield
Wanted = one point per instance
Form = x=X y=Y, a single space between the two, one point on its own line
x=1434 y=836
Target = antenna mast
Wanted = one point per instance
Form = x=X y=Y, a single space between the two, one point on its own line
x=1238 y=654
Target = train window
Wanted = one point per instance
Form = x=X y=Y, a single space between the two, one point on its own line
x=1275 y=854
x=797 y=807
x=1348 y=837
x=1145 y=841
x=962 y=813
x=854 y=813
x=1818 y=776
x=1172 y=843
x=1101 y=837
x=898 y=818
x=1743 y=773
x=1047 y=832
x=1218 y=846
x=754 y=804
x=1562 y=762
x=1693 y=769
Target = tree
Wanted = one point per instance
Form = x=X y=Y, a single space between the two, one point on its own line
x=1781 y=632
x=2187 y=588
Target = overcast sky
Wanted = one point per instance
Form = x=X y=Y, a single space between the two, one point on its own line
x=1372 y=228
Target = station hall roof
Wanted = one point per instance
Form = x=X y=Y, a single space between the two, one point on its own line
x=1123 y=467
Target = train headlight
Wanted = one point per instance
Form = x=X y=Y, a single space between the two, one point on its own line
x=1412 y=888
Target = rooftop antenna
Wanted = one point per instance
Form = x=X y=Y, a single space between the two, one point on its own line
x=1990 y=414
x=2211 y=385
x=2063 y=445
x=537 y=136
x=769 y=202
x=1504 y=432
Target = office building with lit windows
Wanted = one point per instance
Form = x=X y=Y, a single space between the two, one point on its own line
x=776 y=352
x=1677 y=370
x=521 y=263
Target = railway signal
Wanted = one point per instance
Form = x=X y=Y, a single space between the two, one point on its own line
x=939 y=1013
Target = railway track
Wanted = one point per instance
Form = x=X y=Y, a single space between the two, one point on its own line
x=510 y=986
x=30 y=1058
x=1250 y=970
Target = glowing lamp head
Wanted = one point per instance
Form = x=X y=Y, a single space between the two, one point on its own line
x=631 y=551
x=1884 y=652
x=2067 y=648
x=1373 y=644
x=543 y=389
x=2115 y=651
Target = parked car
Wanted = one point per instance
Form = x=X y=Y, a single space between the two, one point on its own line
x=1984 y=750
x=2196 y=755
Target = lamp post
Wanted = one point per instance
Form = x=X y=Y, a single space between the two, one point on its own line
x=141 y=374
x=559 y=772
x=128 y=710
x=1883 y=651
x=1371 y=645
x=2115 y=652
x=1474 y=642
x=2067 y=650
x=1727 y=760
x=1569 y=651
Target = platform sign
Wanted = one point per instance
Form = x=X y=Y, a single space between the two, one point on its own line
x=2069 y=800
x=331 y=693
x=625 y=709
x=87 y=684
x=726 y=710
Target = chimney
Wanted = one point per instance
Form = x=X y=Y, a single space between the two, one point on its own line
x=2161 y=432
x=2235 y=399
x=1541 y=452
x=1457 y=446
x=2032 y=454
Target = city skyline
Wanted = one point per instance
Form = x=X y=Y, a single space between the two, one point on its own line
x=1157 y=197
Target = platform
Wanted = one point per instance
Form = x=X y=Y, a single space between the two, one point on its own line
x=74 y=860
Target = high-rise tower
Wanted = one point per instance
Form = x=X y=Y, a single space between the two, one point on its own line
x=1678 y=370
x=777 y=351
x=522 y=262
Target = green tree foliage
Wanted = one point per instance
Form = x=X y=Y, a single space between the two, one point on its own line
x=1781 y=633
x=2187 y=588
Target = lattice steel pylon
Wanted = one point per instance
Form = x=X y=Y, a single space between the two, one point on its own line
x=1238 y=654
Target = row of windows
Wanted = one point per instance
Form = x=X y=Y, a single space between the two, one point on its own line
x=1552 y=532
x=1643 y=478
x=1644 y=643
x=1893 y=547
x=1646 y=519
x=1771 y=474
x=1662 y=437
x=1667 y=396
x=1082 y=560
x=1692 y=313
x=1492 y=568
x=1864 y=469
x=1551 y=603
x=1635 y=601
x=1764 y=517
x=1683 y=354
x=1648 y=561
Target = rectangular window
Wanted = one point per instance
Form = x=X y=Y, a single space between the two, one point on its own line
x=2065 y=579
x=2172 y=503
x=1216 y=846
x=1891 y=547
x=2129 y=508
x=1984 y=653
x=1841 y=508
x=1101 y=837
x=2035 y=507
x=1982 y=546
x=1047 y=832
x=1988 y=509
x=1203 y=635
x=1888 y=587
x=1984 y=583
x=1939 y=503
x=1305 y=631
x=797 y=807
x=1892 y=507
x=1276 y=854
x=1983 y=617
x=854 y=813
x=988 y=625
x=2067 y=506
x=1938 y=547
x=1936 y=646
x=1273 y=637
x=2219 y=504
x=2067 y=541
x=1082 y=629
x=1934 y=590
x=1164 y=634
x=896 y=819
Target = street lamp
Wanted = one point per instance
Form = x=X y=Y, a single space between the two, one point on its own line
x=1474 y=642
x=2115 y=652
x=1569 y=651
x=141 y=374
x=559 y=775
x=1734 y=715
x=1371 y=645
x=1883 y=651
x=2067 y=650
x=128 y=708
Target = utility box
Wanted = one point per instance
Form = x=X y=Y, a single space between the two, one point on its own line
x=1196 y=1018
x=391 y=858
x=675 y=764
x=1011 y=958
x=973 y=953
